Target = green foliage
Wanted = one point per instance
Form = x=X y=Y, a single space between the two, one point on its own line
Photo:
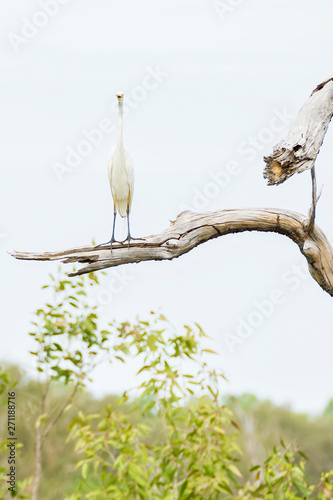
x=262 y=425
x=195 y=454
x=328 y=413
x=4 y=380
x=69 y=344
x=283 y=476
x=170 y=438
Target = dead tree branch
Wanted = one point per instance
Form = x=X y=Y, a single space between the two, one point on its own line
x=192 y=229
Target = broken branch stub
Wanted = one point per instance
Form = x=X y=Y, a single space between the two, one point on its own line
x=298 y=152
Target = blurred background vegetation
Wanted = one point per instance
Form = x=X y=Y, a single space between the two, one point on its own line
x=261 y=424
x=178 y=436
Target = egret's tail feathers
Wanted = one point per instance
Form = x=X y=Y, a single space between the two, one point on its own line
x=122 y=207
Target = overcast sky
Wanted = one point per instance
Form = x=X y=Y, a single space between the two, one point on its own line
x=209 y=89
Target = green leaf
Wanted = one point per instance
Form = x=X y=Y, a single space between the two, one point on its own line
x=302 y=454
x=183 y=488
x=301 y=487
x=120 y=359
x=234 y=470
x=136 y=474
x=84 y=470
x=147 y=407
x=255 y=467
x=146 y=367
x=209 y=351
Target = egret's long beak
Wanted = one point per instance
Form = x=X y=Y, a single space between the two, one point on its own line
x=120 y=97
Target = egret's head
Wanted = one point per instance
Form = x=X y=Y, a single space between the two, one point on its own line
x=120 y=97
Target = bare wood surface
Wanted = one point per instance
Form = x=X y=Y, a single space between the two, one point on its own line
x=192 y=229
x=299 y=150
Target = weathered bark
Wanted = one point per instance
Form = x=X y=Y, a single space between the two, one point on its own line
x=298 y=152
x=191 y=229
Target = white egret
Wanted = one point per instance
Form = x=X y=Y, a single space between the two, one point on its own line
x=120 y=170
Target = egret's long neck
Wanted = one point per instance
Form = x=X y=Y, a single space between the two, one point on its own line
x=120 y=124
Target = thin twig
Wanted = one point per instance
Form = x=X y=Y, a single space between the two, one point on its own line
x=312 y=213
x=39 y=444
x=60 y=412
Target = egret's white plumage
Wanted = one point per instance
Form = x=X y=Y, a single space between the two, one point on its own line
x=120 y=170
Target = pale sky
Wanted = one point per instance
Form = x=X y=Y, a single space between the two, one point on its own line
x=210 y=88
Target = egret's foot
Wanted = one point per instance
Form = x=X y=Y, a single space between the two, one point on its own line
x=108 y=243
x=129 y=238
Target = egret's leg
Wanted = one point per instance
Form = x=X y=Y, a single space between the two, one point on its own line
x=128 y=229
x=113 y=229
x=112 y=237
x=129 y=236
